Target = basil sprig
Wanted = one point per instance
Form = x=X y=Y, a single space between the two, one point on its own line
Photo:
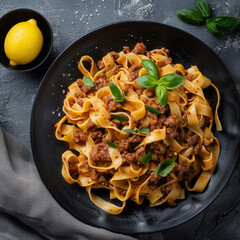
x=143 y=130
x=111 y=144
x=116 y=92
x=145 y=159
x=164 y=168
x=168 y=81
x=88 y=82
x=152 y=110
x=202 y=13
x=119 y=118
x=190 y=15
x=203 y=7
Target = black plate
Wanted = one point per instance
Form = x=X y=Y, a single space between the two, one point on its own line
x=47 y=151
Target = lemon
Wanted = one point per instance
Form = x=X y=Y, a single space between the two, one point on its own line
x=23 y=42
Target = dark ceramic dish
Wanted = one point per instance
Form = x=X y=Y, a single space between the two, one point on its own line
x=47 y=151
x=21 y=15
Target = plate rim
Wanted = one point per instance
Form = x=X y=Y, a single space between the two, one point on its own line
x=219 y=190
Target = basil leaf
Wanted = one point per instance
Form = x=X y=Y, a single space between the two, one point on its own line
x=88 y=82
x=119 y=118
x=145 y=159
x=128 y=130
x=191 y=16
x=171 y=81
x=212 y=28
x=226 y=23
x=151 y=67
x=162 y=96
x=120 y=99
x=165 y=167
x=152 y=110
x=203 y=7
x=111 y=144
x=144 y=130
x=146 y=81
x=114 y=89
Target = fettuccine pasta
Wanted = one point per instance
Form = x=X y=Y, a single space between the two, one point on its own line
x=102 y=153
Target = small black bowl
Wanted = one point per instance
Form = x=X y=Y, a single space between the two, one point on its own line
x=22 y=15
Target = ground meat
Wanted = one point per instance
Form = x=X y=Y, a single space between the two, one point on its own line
x=166 y=189
x=80 y=94
x=149 y=55
x=122 y=191
x=83 y=87
x=114 y=55
x=181 y=169
x=127 y=148
x=184 y=134
x=139 y=48
x=197 y=147
x=126 y=49
x=130 y=143
x=150 y=93
x=100 y=82
x=139 y=92
x=102 y=180
x=134 y=157
x=172 y=123
x=91 y=126
x=97 y=136
x=94 y=175
x=119 y=124
x=134 y=72
x=79 y=135
x=164 y=62
x=193 y=140
x=154 y=179
x=116 y=70
x=172 y=132
x=100 y=153
x=101 y=64
x=113 y=106
x=73 y=170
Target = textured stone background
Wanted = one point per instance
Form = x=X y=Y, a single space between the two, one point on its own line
x=74 y=18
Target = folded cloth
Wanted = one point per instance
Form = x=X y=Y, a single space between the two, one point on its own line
x=24 y=196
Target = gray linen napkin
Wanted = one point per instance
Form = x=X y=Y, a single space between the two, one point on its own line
x=24 y=196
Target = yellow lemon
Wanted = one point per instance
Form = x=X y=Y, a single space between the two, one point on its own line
x=23 y=42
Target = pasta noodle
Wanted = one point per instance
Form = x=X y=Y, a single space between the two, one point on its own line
x=110 y=147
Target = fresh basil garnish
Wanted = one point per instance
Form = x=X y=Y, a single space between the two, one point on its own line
x=121 y=98
x=111 y=144
x=145 y=159
x=147 y=81
x=226 y=23
x=162 y=96
x=128 y=130
x=119 y=118
x=165 y=167
x=88 y=82
x=114 y=89
x=212 y=28
x=168 y=81
x=151 y=68
x=190 y=15
x=152 y=110
x=142 y=130
x=116 y=92
x=203 y=13
x=171 y=81
x=203 y=7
